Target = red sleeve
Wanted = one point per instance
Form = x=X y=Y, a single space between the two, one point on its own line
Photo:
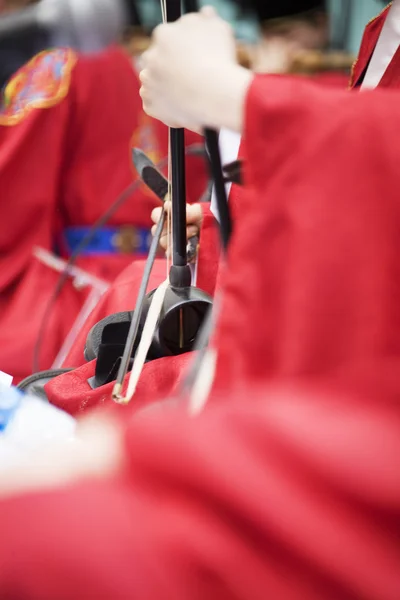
x=209 y=252
x=283 y=115
x=197 y=175
x=291 y=498
x=315 y=284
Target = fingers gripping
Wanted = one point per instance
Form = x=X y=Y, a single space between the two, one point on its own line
x=194 y=216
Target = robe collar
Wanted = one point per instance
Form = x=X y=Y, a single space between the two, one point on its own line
x=391 y=78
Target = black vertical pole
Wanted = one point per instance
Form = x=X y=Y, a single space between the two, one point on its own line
x=178 y=175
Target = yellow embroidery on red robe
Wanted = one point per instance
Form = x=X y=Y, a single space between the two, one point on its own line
x=42 y=83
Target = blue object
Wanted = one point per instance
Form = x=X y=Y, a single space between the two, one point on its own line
x=10 y=400
x=110 y=240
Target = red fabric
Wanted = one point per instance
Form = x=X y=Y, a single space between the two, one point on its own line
x=209 y=251
x=321 y=267
x=332 y=79
x=83 y=164
x=160 y=378
x=292 y=496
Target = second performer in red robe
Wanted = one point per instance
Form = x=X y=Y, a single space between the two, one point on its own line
x=68 y=124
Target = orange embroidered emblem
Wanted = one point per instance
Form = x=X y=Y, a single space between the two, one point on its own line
x=43 y=82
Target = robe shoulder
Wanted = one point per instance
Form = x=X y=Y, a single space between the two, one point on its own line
x=41 y=83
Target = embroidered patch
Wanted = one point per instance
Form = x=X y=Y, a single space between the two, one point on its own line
x=43 y=82
x=145 y=138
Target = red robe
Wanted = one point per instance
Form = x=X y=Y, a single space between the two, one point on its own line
x=293 y=495
x=67 y=127
x=290 y=490
x=322 y=289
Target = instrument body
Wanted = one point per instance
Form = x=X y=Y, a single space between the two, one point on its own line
x=182 y=315
x=181 y=318
x=114 y=341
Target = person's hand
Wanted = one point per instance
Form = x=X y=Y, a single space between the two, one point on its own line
x=194 y=219
x=188 y=70
x=97 y=452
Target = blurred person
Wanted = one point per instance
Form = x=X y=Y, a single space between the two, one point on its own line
x=286 y=485
x=68 y=123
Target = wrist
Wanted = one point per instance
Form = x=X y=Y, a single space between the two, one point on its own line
x=226 y=99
